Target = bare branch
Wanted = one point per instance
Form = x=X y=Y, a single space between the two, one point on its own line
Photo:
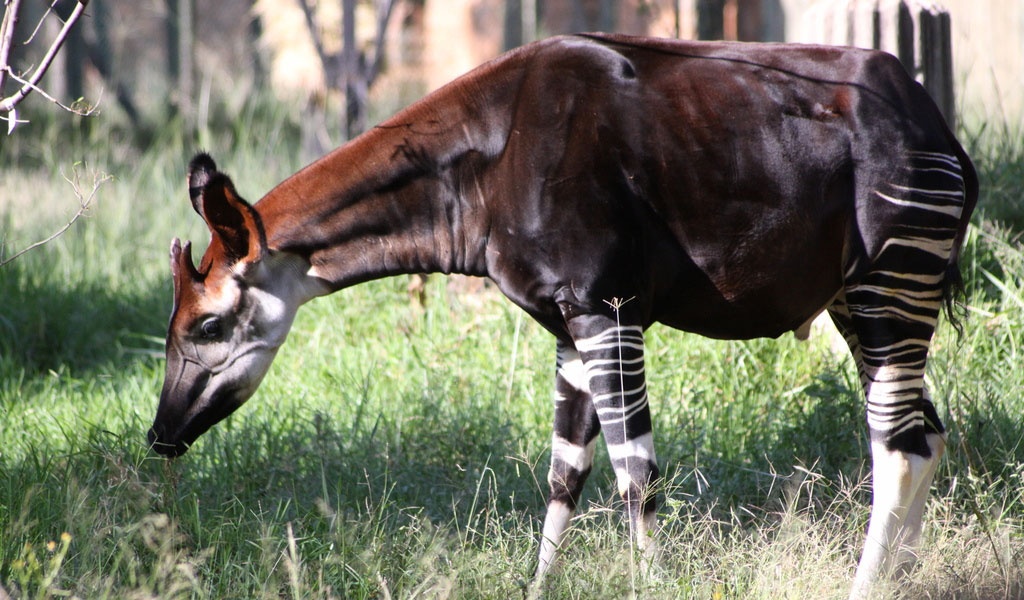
x=84 y=203
x=384 y=9
x=8 y=103
x=314 y=32
x=7 y=36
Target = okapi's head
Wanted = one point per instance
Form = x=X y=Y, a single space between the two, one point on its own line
x=229 y=316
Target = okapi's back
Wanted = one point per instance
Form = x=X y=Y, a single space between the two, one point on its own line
x=688 y=160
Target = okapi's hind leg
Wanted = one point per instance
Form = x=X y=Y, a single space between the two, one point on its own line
x=572 y=451
x=907 y=441
x=888 y=318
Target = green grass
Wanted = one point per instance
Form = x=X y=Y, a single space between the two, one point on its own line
x=398 y=451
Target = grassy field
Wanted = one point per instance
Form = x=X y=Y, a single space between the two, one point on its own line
x=399 y=451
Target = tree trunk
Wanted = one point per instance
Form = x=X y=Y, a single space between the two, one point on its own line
x=513 y=30
x=606 y=14
x=355 y=96
x=101 y=57
x=710 y=24
x=74 y=64
x=259 y=70
x=180 y=59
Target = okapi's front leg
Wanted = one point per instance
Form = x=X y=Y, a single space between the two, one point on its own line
x=613 y=359
x=572 y=450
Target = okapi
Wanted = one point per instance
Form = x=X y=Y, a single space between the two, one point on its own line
x=606 y=183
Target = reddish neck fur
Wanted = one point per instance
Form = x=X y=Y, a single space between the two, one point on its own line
x=384 y=203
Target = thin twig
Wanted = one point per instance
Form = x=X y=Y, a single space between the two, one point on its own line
x=512 y=361
x=42 y=20
x=41 y=92
x=8 y=103
x=616 y=304
x=84 y=202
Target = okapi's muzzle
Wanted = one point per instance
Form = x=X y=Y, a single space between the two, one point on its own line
x=176 y=424
x=156 y=436
x=180 y=421
x=193 y=400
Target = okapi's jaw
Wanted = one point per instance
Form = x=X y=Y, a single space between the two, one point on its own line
x=229 y=317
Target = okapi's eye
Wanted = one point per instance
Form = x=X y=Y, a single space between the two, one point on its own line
x=211 y=329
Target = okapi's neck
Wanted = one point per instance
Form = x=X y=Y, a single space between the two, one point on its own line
x=405 y=197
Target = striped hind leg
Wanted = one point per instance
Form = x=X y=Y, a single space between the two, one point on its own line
x=888 y=328
x=572 y=451
x=613 y=359
x=909 y=224
x=907 y=441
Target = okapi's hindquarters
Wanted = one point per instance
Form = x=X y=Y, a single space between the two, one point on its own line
x=888 y=312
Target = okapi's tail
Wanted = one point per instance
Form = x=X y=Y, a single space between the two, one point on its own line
x=953 y=290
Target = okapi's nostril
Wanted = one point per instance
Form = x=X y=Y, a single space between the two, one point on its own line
x=162 y=448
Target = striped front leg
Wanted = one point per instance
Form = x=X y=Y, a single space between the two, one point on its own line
x=572 y=450
x=613 y=359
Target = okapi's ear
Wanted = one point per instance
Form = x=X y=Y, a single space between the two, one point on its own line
x=182 y=267
x=231 y=219
x=183 y=273
x=200 y=170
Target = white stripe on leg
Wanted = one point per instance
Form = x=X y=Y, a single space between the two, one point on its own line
x=629 y=458
x=638 y=451
x=559 y=512
x=556 y=521
x=900 y=483
x=907 y=554
x=571 y=369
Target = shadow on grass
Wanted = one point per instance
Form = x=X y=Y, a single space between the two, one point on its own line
x=437 y=457
x=51 y=325
x=365 y=498
x=731 y=449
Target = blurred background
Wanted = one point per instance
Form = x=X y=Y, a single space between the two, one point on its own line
x=197 y=64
